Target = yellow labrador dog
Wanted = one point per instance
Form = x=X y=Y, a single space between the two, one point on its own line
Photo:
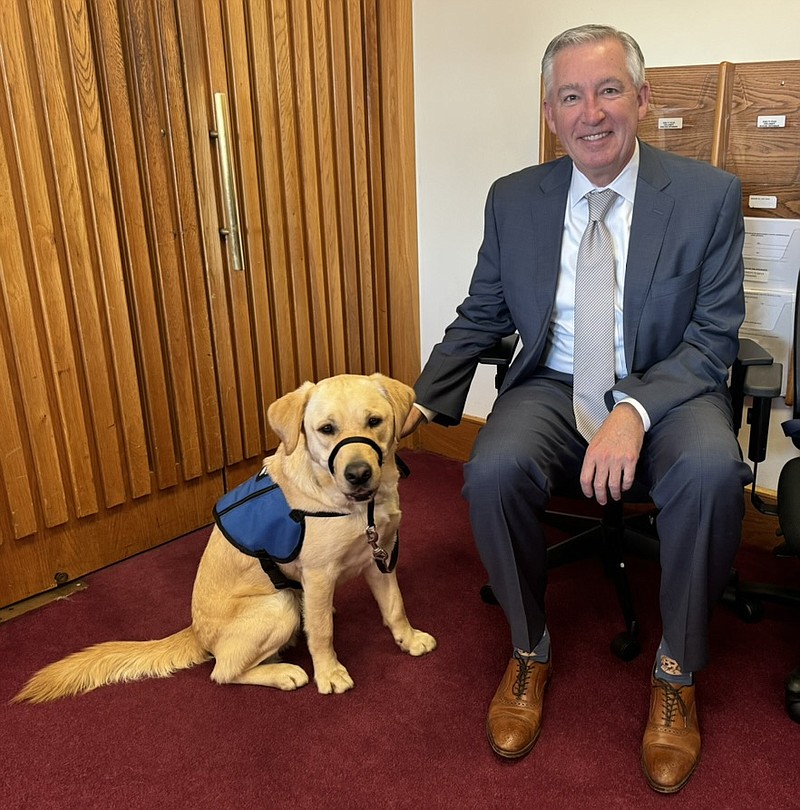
x=335 y=467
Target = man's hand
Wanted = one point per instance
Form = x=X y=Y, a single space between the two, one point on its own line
x=414 y=419
x=610 y=461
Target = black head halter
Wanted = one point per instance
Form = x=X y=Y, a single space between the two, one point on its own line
x=354 y=440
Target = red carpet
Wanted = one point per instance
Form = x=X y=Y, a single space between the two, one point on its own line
x=411 y=734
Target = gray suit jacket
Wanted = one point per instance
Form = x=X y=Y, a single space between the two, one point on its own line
x=683 y=302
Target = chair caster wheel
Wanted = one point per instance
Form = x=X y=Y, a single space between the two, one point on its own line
x=487 y=594
x=793 y=695
x=749 y=610
x=625 y=646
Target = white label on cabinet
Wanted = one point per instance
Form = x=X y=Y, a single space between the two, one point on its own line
x=762 y=201
x=771 y=121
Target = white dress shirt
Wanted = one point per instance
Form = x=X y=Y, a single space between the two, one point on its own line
x=559 y=352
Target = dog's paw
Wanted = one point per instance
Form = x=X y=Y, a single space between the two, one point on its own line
x=334 y=681
x=417 y=643
x=288 y=676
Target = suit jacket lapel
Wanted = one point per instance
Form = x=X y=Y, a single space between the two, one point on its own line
x=540 y=258
x=651 y=212
x=547 y=212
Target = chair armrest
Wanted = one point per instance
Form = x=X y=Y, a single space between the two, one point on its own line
x=752 y=354
x=763 y=384
x=500 y=355
x=763 y=381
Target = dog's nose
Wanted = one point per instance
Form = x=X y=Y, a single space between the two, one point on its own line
x=357 y=473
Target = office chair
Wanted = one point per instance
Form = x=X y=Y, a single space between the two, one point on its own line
x=748 y=597
x=628 y=526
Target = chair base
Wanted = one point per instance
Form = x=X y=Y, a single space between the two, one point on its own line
x=611 y=535
x=747 y=600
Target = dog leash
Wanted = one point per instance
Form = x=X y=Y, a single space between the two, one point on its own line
x=380 y=555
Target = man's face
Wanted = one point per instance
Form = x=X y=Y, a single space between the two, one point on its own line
x=595 y=109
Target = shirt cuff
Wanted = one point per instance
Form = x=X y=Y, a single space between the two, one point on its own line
x=426 y=412
x=620 y=397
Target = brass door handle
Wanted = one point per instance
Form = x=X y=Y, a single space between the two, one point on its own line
x=231 y=234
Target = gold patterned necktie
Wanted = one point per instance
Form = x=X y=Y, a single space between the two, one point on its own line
x=593 y=358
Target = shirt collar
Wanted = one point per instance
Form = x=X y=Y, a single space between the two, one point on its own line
x=624 y=183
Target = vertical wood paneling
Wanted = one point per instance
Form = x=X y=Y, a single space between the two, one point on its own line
x=71 y=218
x=27 y=218
x=362 y=286
x=30 y=376
x=264 y=93
x=111 y=284
x=375 y=142
x=297 y=261
x=147 y=79
x=239 y=30
x=331 y=259
x=347 y=311
x=305 y=82
x=133 y=235
x=181 y=141
x=201 y=193
x=309 y=214
x=13 y=470
x=235 y=57
x=135 y=362
x=397 y=103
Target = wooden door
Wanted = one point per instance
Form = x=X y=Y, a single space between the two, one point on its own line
x=321 y=155
x=136 y=360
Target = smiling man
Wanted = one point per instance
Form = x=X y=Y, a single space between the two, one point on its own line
x=620 y=267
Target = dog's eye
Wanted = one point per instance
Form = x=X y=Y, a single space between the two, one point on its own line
x=327 y=429
x=374 y=421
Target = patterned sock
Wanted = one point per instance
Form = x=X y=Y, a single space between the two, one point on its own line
x=668 y=669
x=540 y=653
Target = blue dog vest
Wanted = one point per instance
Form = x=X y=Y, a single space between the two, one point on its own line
x=256 y=518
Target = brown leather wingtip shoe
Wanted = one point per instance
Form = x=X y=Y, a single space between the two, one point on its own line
x=515 y=713
x=671 y=744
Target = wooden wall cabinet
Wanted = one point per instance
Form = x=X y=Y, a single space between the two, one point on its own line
x=137 y=361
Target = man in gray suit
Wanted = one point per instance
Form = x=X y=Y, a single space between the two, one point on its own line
x=677 y=231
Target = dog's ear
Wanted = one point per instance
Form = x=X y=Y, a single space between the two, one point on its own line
x=285 y=415
x=401 y=397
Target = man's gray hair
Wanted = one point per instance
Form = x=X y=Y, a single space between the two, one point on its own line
x=585 y=34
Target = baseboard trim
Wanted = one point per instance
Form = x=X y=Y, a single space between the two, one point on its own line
x=456 y=443
x=453 y=442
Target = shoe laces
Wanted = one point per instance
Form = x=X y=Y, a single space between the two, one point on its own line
x=673 y=702
x=524 y=668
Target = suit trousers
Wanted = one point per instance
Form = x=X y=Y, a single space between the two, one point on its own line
x=690 y=464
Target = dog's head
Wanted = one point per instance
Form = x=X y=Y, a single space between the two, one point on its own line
x=350 y=424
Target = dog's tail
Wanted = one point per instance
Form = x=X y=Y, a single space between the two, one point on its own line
x=113 y=662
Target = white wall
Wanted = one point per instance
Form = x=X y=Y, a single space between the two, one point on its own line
x=476 y=76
